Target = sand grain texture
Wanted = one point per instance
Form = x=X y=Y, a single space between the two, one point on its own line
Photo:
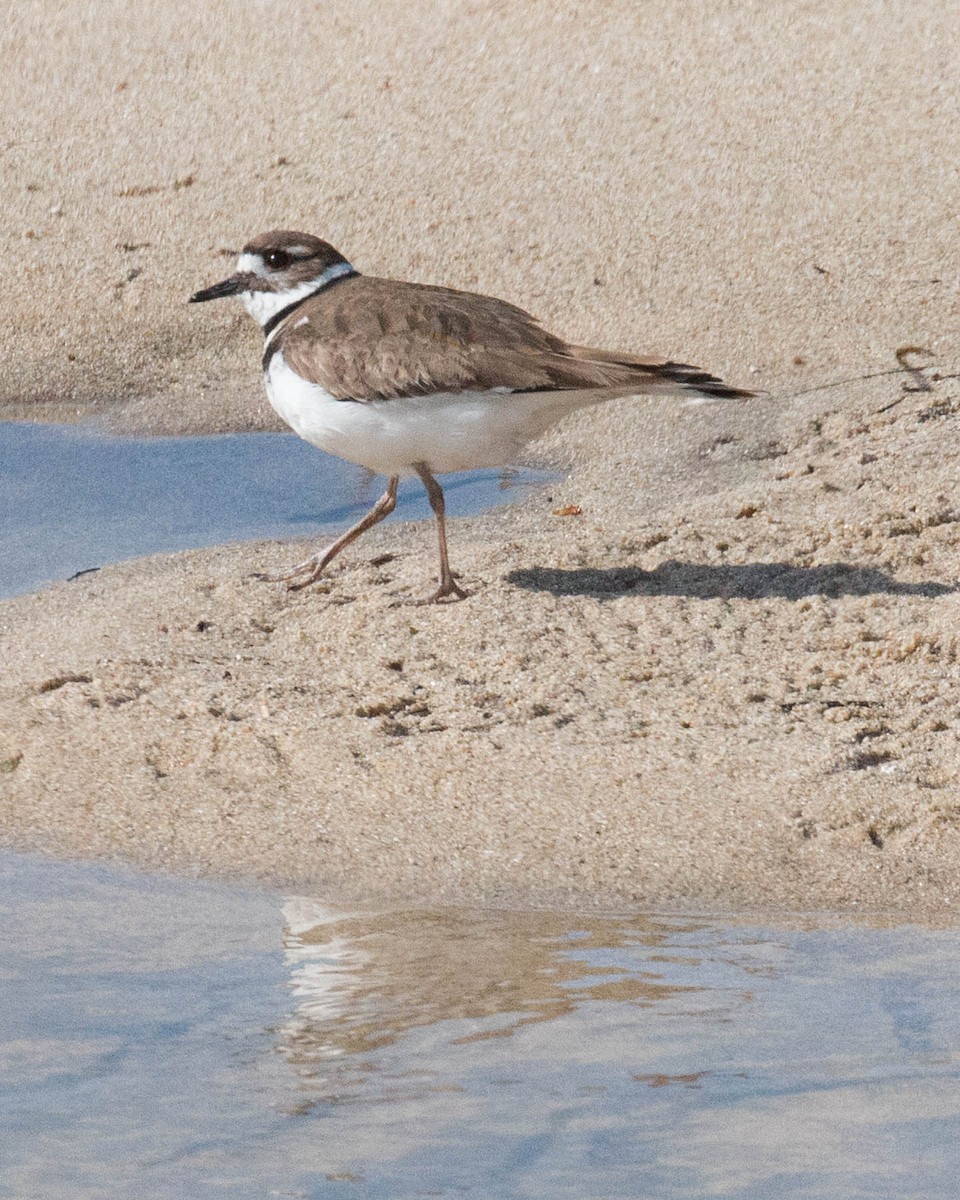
x=734 y=679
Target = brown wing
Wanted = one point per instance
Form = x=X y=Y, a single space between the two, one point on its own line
x=375 y=339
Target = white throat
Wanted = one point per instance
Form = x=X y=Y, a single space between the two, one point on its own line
x=264 y=306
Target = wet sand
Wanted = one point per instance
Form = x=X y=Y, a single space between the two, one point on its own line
x=732 y=680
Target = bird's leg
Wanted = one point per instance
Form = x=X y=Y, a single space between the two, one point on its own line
x=314 y=566
x=448 y=586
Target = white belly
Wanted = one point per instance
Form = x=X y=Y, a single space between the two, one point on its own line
x=448 y=432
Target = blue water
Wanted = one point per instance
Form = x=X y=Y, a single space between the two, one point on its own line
x=72 y=498
x=164 y=1040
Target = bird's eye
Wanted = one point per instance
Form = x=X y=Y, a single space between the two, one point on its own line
x=277 y=259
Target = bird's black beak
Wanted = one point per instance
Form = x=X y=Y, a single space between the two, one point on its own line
x=228 y=287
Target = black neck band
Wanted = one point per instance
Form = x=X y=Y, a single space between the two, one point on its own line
x=270 y=326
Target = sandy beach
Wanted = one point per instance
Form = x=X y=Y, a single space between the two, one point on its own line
x=732 y=681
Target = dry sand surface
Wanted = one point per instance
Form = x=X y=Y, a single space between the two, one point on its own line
x=734 y=679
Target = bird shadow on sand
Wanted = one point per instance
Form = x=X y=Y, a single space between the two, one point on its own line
x=702 y=581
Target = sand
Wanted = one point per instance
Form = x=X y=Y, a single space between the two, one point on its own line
x=732 y=680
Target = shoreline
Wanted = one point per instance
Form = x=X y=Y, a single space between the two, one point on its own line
x=734 y=678
x=717 y=705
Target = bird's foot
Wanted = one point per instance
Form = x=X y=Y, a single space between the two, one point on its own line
x=448 y=590
x=305 y=573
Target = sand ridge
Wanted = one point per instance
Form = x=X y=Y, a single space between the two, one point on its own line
x=720 y=702
x=732 y=680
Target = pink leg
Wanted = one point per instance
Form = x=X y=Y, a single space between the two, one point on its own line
x=314 y=566
x=448 y=586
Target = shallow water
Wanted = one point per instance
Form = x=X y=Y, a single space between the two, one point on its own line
x=161 y=1039
x=72 y=498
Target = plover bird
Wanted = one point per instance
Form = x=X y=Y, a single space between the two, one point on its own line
x=408 y=379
